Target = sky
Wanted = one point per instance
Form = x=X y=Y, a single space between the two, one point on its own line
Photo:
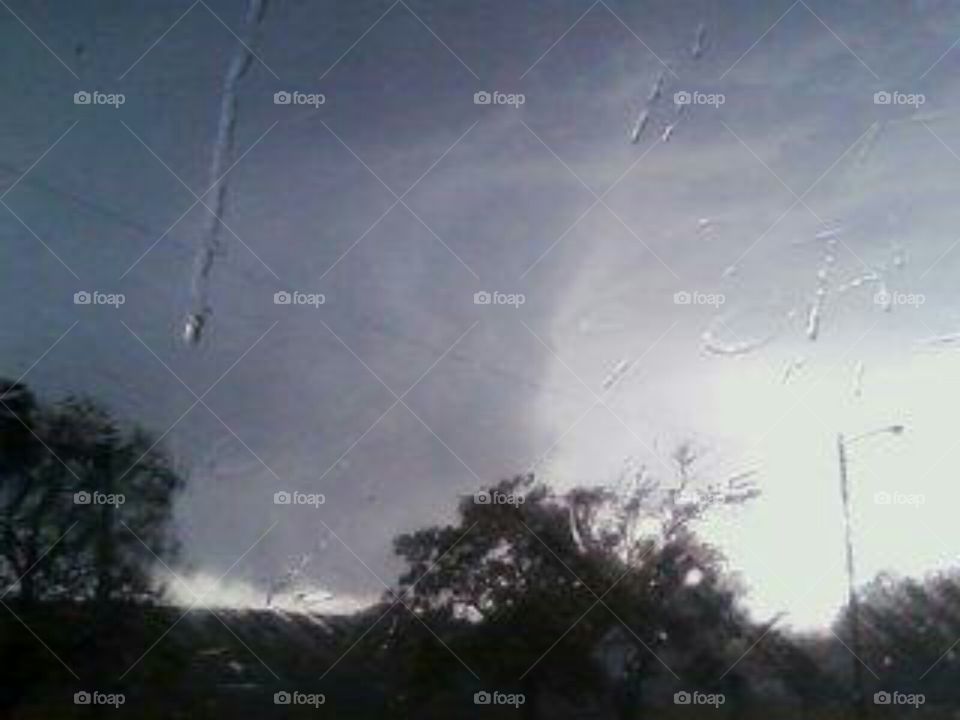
x=399 y=197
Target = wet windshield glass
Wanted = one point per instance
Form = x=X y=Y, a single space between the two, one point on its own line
x=409 y=330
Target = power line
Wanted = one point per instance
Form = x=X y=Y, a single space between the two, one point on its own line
x=122 y=219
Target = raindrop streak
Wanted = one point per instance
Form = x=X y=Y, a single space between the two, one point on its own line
x=210 y=238
x=867 y=144
x=813 y=318
x=615 y=374
x=951 y=339
x=656 y=89
x=858 y=380
x=655 y=95
x=714 y=346
x=639 y=126
x=827 y=261
x=699 y=43
x=793 y=366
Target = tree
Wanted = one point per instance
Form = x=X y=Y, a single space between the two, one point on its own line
x=909 y=629
x=17 y=405
x=85 y=510
x=495 y=582
x=84 y=506
x=542 y=592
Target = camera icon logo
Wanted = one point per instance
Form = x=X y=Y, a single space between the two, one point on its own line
x=282 y=498
x=682 y=298
x=482 y=498
x=282 y=698
x=282 y=98
x=481 y=698
x=882 y=698
x=82 y=298
x=81 y=498
x=81 y=698
x=682 y=98
x=482 y=298
x=482 y=98
x=682 y=698
x=882 y=98
x=282 y=298
x=82 y=98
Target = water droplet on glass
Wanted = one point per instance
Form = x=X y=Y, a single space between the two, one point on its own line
x=951 y=339
x=699 y=43
x=193 y=329
x=615 y=374
x=858 y=379
x=793 y=367
x=209 y=243
x=813 y=321
x=639 y=126
x=656 y=89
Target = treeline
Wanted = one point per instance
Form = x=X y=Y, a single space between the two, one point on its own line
x=596 y=602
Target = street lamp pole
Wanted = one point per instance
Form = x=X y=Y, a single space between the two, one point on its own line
x=859 y=699
x=859 y=695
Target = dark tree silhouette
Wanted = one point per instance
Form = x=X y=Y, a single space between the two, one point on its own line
x=537 y=596
x=85 y=511
x=84 y=506
x=909 y=629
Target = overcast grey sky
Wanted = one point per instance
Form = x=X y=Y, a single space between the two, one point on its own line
x=550 y=199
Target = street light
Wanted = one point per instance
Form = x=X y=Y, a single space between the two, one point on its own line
x=859 y=697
